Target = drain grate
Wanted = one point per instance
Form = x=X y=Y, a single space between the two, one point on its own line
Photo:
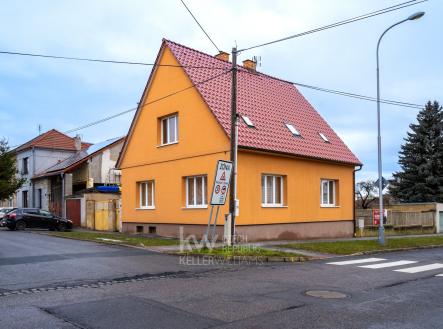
x=326 y=294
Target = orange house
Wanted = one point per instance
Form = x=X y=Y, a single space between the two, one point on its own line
x=295 y=175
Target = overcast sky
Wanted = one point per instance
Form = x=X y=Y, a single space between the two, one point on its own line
x=64 y=95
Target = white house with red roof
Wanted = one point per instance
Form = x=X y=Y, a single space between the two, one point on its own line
x=295 y=174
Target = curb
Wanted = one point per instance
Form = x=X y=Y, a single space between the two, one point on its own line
x=382 y=251
x=264 y=259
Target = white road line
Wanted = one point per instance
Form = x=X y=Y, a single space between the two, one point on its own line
x=423 y=268
x=390 y=264
x=357 y=261
x=439 y=275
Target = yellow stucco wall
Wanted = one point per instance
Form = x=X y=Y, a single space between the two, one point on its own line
x=301 y=188
x=201 y=142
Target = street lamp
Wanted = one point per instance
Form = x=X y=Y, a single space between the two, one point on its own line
x=381 y=229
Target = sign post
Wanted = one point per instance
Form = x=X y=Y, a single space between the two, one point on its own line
x=219 y=193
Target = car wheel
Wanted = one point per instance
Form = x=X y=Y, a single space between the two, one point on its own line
x=20 y=225
x=62 y=227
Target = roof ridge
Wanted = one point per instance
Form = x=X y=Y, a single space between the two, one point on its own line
x=225 y=62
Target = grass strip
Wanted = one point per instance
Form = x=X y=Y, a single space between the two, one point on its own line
x=355 y=246
x=249 y=251
x=117 y=238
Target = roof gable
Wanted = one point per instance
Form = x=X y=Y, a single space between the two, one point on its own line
x=52 y=139
x=270 y=103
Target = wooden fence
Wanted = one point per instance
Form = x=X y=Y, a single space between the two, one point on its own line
x=397 y=219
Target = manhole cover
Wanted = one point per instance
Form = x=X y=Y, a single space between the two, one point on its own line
x=325 y=294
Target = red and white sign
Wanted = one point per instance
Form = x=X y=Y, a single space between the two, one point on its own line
x=376 y=216
x=221 y=182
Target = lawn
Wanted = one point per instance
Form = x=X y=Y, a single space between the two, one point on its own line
x=117 y=238
x=250 y=251
x=355 y=246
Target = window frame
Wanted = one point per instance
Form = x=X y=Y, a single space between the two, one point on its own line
x=334 y=193
x=152 y=196
x=293 y=130
x=264 y=187
x=204 y=191
x=167 y=120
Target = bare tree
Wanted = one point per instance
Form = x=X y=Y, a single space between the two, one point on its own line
x=366 y=192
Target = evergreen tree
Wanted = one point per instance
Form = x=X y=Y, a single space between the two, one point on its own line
x=9 y=183
x=421 y=159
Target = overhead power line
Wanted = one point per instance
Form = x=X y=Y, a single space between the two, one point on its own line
x=358 y=96
x=201 y=27
x=344 y=22
x=84 y=59
x=148 y=103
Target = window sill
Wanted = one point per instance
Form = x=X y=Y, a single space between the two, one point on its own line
x=273 y=206
x=167 y=144
x=145 y=208
x=195 y=207
x=329 y=206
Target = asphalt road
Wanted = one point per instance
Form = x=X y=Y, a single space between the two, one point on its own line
x=87 y=285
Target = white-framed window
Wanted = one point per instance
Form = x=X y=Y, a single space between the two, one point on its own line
x=196 y=191
x=328 y=198
x=169 y=129
x=272 y=190
x=146 y=190
x=248 y=121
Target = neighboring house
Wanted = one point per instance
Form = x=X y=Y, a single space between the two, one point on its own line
x=295 y=175
x=36 y=155
x=82 y=171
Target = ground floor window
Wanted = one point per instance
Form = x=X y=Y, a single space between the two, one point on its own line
x=272 y=190
x=328 y=189
x=196 y=191
x=39 y=198
x=146 y=190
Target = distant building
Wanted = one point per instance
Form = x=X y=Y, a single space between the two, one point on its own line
x=34 y=157
x=295 y=175
x=81 y=172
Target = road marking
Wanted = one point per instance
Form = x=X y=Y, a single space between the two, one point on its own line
x=390 y=264
x=439 y=275
x=357 y=261
x=423 y=268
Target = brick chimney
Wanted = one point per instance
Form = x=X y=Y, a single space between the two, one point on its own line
x=77 y=143
x=223 y=56
x=250 y=64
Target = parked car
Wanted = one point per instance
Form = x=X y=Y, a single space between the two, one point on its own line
x=22 y=218
x=3 y=212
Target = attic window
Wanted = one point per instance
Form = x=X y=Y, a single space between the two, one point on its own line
x=247 y=121
x=323 y=136
x=292 y=129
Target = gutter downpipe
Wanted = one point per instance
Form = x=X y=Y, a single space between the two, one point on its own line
x=33 y=174
x=353 y=203
x=63 y=195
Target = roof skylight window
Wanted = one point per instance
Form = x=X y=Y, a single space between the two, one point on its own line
x=247 y=121
x=323 y=136
x=292 y=129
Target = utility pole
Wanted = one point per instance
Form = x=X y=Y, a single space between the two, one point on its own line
x=232 y=190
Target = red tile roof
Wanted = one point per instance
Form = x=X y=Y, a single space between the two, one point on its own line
x=269 y=103
x=52 y=139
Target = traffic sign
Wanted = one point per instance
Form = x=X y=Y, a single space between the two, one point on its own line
x=221 y=182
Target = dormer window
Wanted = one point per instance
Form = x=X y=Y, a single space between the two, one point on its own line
x=247 y=121
x=292 y=129
x=323 y=136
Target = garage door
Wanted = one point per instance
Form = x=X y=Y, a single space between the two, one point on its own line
x=73 y=211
